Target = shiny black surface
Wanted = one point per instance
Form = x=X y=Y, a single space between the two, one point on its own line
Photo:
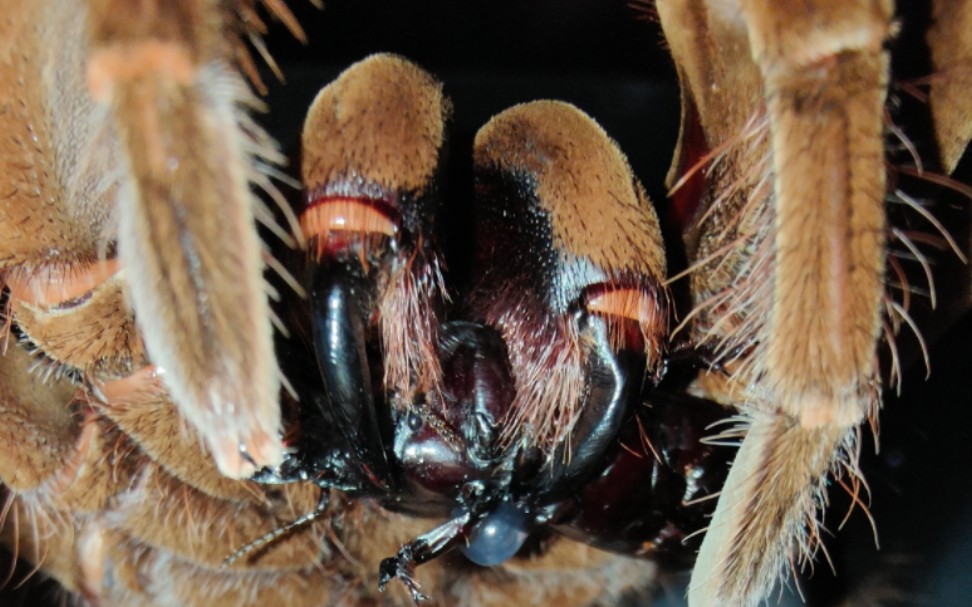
x=656 y=484
x=632 y=486
x=340 y=300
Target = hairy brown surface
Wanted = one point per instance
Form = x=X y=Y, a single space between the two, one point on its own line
x=951 y=50
x=96 y=335
x=787 y=253
x=378 y=132
x=597 y=209
x=103 y=493
x=59 y=164
x=187 y=236
x=383 y=120
x=830 y=233
x=33 y=413
x=112 y=486
x=577 y=216
x=772 y=492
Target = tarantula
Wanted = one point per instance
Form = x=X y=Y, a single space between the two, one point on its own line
x=144 y=380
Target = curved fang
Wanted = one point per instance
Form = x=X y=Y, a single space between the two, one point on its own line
x=613 y=381
x=339 y=300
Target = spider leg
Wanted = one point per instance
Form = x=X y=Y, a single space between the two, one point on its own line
x=280 y=532
x=423 y=549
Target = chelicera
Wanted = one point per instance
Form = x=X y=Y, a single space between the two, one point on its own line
x=518 y=408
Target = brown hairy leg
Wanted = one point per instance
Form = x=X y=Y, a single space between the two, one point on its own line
x=787 y=247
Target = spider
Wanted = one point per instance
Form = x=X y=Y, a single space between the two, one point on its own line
x=102 y=102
